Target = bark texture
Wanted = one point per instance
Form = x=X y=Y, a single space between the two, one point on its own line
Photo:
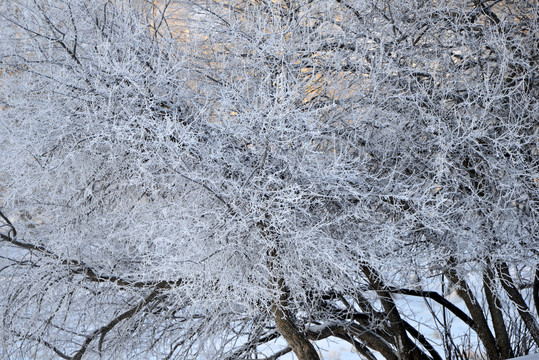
x=297 y=341
x=515 y=296
x=472 y=304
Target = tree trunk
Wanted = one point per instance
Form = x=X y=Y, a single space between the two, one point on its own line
x=536 y=291
x=483 y=330
x=516 y=298
x=406 y=348
x=297 y=341
x=496 y=314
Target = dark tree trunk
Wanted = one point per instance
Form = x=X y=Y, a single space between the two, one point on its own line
x=515 y=296
x=536 y=291
x=406 y=348
x=496 y=314
x=297 y=341
x=483 y=330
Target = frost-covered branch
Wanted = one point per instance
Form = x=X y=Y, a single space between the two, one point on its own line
x=278 y=172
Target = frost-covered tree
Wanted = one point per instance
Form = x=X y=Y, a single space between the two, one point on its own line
x=199 y=179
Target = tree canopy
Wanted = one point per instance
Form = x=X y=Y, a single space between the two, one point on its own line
x=197 y=179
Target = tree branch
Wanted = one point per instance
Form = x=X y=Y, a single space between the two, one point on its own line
x=440 y=300
x=78 y=267
x=102 y=331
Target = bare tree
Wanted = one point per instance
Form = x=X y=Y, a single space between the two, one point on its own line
x=200 y=179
